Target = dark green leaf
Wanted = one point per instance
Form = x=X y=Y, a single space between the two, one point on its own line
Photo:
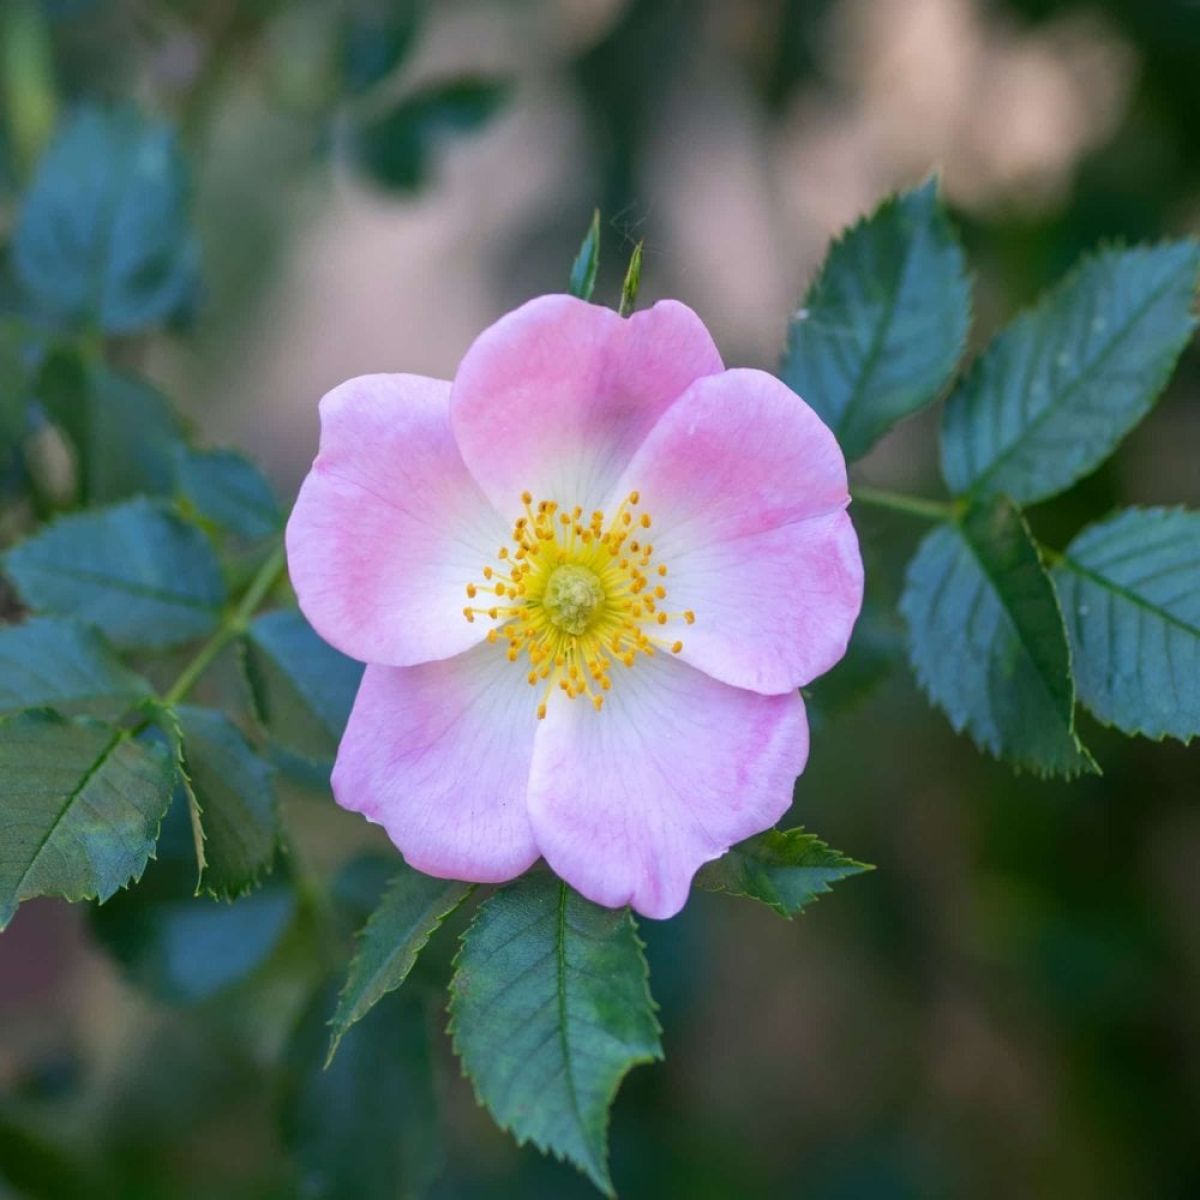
x=1051 y=397
x=49 y=662
x=549 y=1009
x=411 y=911
x=395 y=149
x=135 y=571
x=876 y=649
x=235 y=795
x=184 y=948
x=1130 y=591
x=102 y=237
x=228 y=490
x=785 y=868
x=376 y=36
x=587 y=262
x=987 y=642
x=884 y=322
x=303 y=688
x=123 y=430
x=82 y=806
x=366 y=1127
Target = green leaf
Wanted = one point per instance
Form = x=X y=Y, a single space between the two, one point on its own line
x=1054 y=393
x=303 y=688
x=375 y=37
x=227 y=490
x=785 y=868
x=103 y=237
x=987 y=641
x=184 y=948
x=633 y=282
x=549 y=1009
x=82 y=807
x=123 y=430
x=1130 y=591
x=235 y=795
x=587 y=262
x=366 y=1127
x=143 y=577
x=49 y=662
x=395 y=148
x=413 y=908
x=884 y=322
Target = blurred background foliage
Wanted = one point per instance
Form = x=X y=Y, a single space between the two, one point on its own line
x=1008 y=1005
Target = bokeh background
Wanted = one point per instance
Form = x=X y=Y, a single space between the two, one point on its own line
x=1009 y=1006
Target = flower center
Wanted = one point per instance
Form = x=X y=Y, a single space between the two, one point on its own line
x=577 y=595
x=572 y=598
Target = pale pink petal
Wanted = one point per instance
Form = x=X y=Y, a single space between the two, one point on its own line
x=629 y=802
x=556 y=396
x=439 y=755
x=389 y=527
x=746 y=488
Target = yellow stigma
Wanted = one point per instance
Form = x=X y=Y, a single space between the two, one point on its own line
x=575 y=596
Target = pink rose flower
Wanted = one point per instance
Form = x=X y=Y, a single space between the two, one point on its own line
x=588 y=578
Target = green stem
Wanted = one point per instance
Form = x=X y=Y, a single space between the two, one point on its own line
x=913 y=506
x=232 y=624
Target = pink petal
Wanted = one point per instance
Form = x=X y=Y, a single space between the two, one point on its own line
x=439 y=755
x=555 y=397
x=389 y=527
x=747 y=490
x=629 y=802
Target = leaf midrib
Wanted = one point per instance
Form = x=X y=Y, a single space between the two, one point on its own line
x=1052 y=408
x=109 y=750
x=564 y=1039
x=1107 y=584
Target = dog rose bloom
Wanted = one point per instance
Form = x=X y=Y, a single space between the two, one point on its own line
x=588 y=578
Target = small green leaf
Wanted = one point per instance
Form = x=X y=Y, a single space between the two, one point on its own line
x=1130 y=591
x=633 y=282
x=103 y=236
x=49 y=662
x=785 y=868
x=82 y=807
x=987 y=641
x=395 y=149
x=302 y=687
x=143 y=577
x=183 y=948
x=587 y=262
x=365 y=1127
x=413 y=908
x=123 y=430
x=549 y=1008
x=884 y=322
x=235 y=796
x=228 y=490
x=1050 y=398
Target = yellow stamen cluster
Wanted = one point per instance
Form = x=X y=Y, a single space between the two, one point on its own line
x=577 y=594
